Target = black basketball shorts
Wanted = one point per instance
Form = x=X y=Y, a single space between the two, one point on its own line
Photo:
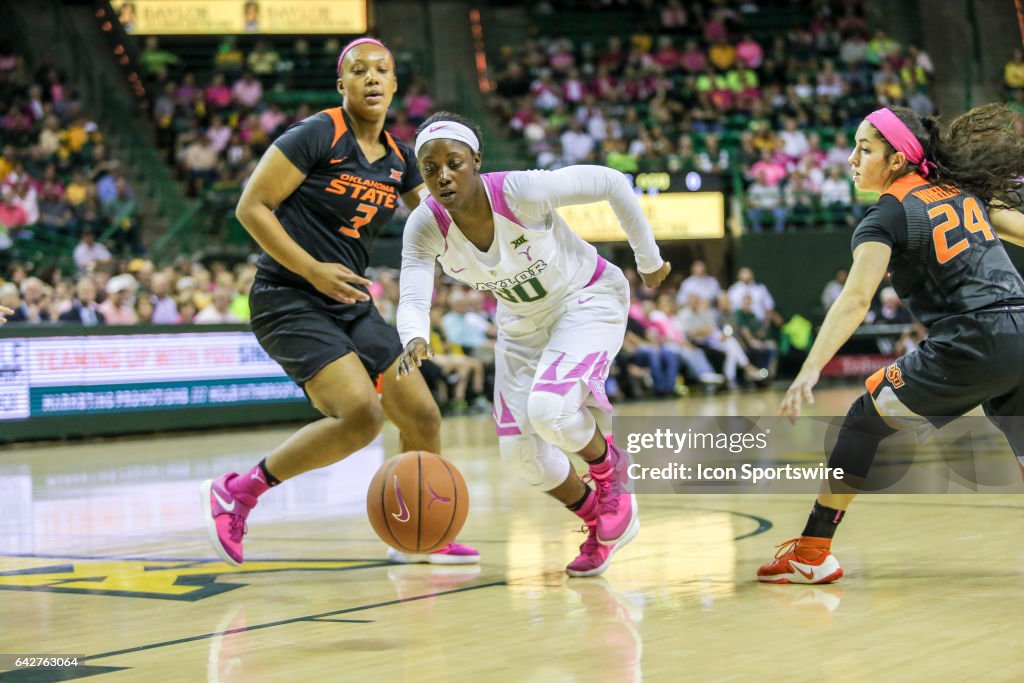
x=304 y=332
x=967 y=360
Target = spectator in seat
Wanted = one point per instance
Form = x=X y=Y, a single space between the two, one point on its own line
x=764 y=201
x=119 y=308
x=833 y=288
x=218 y=311
x=247 y=91
x=89 y=253
x=84 y=310
x=762 y=303
x=699 y=284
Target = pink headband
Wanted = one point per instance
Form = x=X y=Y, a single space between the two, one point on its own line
x=900 y=137
x=363 y=41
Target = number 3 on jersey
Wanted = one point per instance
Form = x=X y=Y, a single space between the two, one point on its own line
x=974 y=221
x=367 y=212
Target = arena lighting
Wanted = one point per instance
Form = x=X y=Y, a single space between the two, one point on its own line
x=107 y=26
x=480 y=55
x=100 y=13
x=119 y=49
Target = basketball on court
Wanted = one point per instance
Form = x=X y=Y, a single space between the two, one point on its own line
x=417 y=502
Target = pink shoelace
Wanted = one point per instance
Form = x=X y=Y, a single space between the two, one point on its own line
x=237 y=528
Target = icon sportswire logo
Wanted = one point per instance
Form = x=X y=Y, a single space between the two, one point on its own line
x=403 y=510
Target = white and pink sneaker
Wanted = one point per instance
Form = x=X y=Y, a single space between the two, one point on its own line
x=617 y=515
x=225 y=514
x=453 y=553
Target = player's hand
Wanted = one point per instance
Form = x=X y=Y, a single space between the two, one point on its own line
x=654 y=279
x=798 y=392
x=416 y=351
x=335 y=280
x=4 y=312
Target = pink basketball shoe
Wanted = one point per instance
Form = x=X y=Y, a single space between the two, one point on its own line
x=225 y=514
x=617 y=508
x=453 y=553
x=595 y=556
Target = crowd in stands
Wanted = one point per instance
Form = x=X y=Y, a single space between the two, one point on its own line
x=216 y=121
x=57 y=178
x=701 y=87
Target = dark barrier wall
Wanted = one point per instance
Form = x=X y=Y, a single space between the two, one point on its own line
x=62 y=382
x=796 y=266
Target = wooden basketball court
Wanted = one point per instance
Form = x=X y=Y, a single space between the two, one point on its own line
x=103 y=555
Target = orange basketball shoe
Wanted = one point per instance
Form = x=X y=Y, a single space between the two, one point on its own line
x=802 y=560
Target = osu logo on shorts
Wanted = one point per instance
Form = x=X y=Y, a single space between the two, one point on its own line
x=895 y=376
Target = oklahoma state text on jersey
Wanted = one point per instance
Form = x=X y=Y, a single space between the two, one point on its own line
x=345 y=201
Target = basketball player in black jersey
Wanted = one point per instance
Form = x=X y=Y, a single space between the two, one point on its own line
x=930 y=229
x=315 y=203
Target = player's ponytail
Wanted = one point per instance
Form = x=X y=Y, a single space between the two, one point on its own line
x=985 y=151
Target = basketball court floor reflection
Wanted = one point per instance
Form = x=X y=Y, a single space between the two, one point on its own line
x=102 y=553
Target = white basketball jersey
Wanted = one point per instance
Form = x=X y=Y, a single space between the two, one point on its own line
x=531 y=265
x=535 y=261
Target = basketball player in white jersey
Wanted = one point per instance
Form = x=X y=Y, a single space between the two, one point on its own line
x=561 y=315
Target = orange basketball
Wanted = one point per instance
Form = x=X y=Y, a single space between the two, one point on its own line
x=417 y=502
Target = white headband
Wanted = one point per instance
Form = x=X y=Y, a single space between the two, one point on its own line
x=448 y=130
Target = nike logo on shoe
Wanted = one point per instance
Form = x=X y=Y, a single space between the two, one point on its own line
x=403 y=510
x=799 y=569
x=584 y=300
x=223 y=503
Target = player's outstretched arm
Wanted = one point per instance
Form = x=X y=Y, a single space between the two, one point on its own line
x=1009 y=224
x=548 y=190
x=421 y=245
x=870 y=261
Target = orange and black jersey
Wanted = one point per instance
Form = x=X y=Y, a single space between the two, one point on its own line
x=345 y=201
x=946 y=258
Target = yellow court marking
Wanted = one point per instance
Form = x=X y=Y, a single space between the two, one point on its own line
x=164 y=579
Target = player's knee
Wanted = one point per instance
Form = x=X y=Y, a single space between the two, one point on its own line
x=863 y=429
x=361 y=417
x=549 y=414
x=535 y=462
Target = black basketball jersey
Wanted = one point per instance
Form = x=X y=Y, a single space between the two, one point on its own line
x=946 y=258
x=345 y=201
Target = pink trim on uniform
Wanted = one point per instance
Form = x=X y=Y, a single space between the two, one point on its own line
x=551 y=374
x=598 y=271
x=444 y=221
x=551 y=386
x=495 y=183
x=506 y=424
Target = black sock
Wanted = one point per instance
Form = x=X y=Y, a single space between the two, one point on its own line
x=582 y=501
x=602 y=458
x=822 y=521
x=271 y=479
